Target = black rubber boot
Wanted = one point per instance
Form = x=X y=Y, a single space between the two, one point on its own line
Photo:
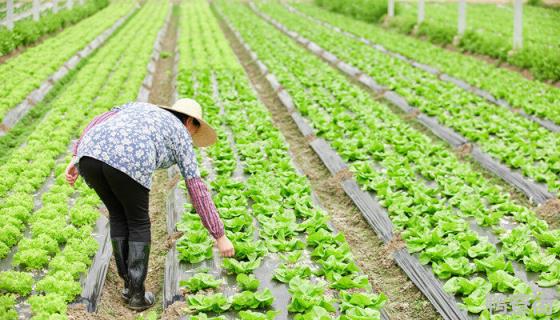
x=138 y=255
x=120 y=251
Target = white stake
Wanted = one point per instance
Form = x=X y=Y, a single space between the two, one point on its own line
x=518 y=25
x=36 y=10
x=420 y=11
x=55 y=6
x=69 y=4
x=391 y=8
x=10 y=14
x=462 y=23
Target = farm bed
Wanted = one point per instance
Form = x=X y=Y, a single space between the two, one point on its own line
x=514 y=140
x=278 y=228
x=50 y=237
x=498 y=85
x=421 y=184
x=40 y=66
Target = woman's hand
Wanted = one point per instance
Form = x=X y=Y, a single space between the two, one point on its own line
x=225 y=246
x=72 y=172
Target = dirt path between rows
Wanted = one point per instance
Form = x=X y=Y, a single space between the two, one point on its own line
x=111 y=306
x=405 y=300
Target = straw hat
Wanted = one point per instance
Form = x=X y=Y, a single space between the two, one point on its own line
x=205 y=135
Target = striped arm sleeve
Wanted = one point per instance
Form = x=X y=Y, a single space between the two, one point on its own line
x=202 y=202
x=97 y=120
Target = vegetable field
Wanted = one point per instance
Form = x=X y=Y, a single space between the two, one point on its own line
x=360 y=172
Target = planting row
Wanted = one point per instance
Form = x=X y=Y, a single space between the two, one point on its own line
x=49 y=224
x=514 y=140
x=27 y=31
x=288 y=259
x=534 y=97
x=489 y=30
x=446 y=212
x=29 y=70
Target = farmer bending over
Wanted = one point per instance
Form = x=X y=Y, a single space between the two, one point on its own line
x=117 y=154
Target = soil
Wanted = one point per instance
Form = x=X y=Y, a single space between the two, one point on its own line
x=111 y=306
x=550 y=212
x=405 y=300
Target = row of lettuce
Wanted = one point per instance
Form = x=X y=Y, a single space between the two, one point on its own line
x=269 y=199
x=506 y=136
x=28 y=31
x=432 y=198
x=26 y=72
x=489 y=30
x=534 y=97
x=50 y=243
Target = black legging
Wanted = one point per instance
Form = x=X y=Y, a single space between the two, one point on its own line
x=126 y=199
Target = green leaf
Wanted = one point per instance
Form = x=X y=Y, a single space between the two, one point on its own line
x=361 y=300
x=357 y=313
x=252 y=300
x=209 y=303
x=285 y=273
x=235 y=266
x=16 y=282
x=316 y=313
x=200 y=281
x=247 y=282
x=251 y=315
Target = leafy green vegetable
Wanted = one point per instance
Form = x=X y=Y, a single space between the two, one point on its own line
x=235 y=266
x=61 y=283
x=504 y=282
x=49 y=304
x=209 y=303
x=285 y=273
x=316 y=313
x=247 y=282
x=551 y=277
x=292 y=257
x=356 y=313
x=362 y=300
x=200 y=281
x=306 y=295
x=252 y=300
x=251 y=315
x=349 y=282
x=194 y=247
x=16 y=282
x=250 y=249
x=7 y=310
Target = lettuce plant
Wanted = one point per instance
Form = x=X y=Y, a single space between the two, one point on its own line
x=235 y=266
x=209 y=303
x=252 y=300
x=16 y=282
x=285 y=273
x=61 y=283
x=251 y=315
x=306 y=295
x=200 y=281
x=48 y=305
x=7 y=310
x=247 y=282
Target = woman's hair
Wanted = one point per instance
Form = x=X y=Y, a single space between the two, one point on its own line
x=183 y=117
